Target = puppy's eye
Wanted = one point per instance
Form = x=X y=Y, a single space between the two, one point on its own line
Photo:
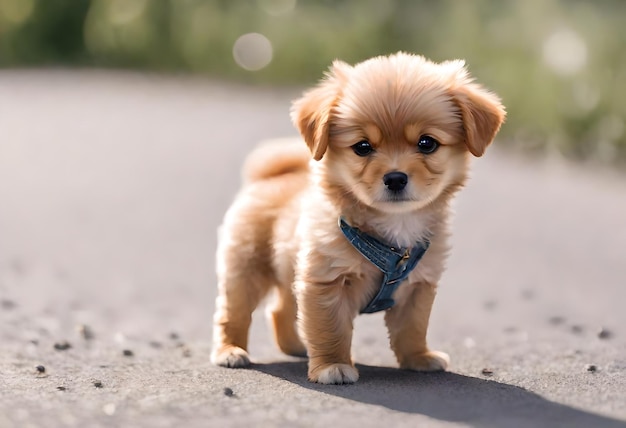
x=363 y=148
x=427 y=144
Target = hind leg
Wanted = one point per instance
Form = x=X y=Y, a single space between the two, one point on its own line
x=283 y=320
x=238 y=298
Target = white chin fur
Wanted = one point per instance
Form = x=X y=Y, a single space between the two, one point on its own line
x=398 y=207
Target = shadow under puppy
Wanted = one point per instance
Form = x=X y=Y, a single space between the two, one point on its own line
x=356 y=222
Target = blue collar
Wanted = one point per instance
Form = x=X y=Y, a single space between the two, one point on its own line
x=395 y=263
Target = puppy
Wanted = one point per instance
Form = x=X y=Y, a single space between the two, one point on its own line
x=359 y=212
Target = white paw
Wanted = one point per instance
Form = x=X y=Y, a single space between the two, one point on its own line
x=431 y=361
x=232 y=356
x=335 y=374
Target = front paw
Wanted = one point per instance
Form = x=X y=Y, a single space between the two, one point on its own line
x=430 y=361
x=230 y=356
x=334 y=374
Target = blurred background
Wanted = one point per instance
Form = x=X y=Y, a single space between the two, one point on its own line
x=123 y=127
x=559 y=65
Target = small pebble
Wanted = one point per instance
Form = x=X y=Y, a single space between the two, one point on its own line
x=528 y=294
x=577 y=329
x=490 y=305
x=40 y=369
x=7 y=304
x=127 y=353
x=186 y=352
x=61 y=388
x=591 y=368
x=174 y=336
x=156 y=345
x=604 y=333
x=97 y=384
x=469 y=342
x=85 y=331
x=228 y=392
x=109 y=409
x=62 y=346
x=556 y=320
x=487 y=372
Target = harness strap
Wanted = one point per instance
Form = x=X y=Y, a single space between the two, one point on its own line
x=396 y=263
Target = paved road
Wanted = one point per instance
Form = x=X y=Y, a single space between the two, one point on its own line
x=111 y=189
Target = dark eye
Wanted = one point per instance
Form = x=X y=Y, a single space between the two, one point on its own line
x=427 y=144
x=363 y=148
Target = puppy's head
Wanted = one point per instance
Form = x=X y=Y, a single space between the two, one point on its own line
x=397 y=132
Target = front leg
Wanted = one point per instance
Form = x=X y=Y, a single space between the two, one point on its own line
x=407 y=322
x=326 y=316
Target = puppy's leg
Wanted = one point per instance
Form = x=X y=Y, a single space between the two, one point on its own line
x=407 y=323
x=326 y=322
x=283 y=319
x=238 y=297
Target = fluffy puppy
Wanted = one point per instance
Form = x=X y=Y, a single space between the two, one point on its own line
x=388 y=143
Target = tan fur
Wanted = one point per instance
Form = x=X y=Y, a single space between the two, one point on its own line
x=281 y=232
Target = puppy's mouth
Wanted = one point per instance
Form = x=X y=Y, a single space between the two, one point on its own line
x=396 y=198
x=398 y=201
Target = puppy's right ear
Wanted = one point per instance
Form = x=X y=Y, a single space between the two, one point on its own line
x=312 y=113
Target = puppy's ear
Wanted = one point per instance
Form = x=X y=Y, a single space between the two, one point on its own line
x=312 y=113
x=483 y=114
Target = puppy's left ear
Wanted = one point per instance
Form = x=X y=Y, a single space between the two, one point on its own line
x=312 y=113
x=483 y=114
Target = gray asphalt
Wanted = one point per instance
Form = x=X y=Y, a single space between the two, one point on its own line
x=112 y=186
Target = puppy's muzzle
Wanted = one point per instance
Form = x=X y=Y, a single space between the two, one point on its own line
x=395 y=181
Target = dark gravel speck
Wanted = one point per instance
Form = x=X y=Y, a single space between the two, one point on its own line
x=605 y=334
x=85 y=331
x=7 y=304
x=228 y=392
x=591 y=368
x=577 y=329
x=128 y=353
x=487 y=372
x=62 y=346
x=61 y=388
x=556 y=320
x=97 y=384
x=490 y=305
x=174 y=336
x=40 y=369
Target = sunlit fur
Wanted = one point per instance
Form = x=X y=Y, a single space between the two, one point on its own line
x=281 y=232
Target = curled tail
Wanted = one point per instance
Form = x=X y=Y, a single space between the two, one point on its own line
x=276 y=157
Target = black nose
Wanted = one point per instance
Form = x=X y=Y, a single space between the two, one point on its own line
x=395 y=181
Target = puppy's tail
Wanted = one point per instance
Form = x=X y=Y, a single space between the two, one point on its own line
x=276 y=157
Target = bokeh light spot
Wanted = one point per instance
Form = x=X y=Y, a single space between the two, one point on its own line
x=122 y=12
x=565 y=52
x=16 y=11
x=252 y=51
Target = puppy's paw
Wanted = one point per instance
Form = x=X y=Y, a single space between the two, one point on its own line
x=334 y=374
x=430 y=361
x=230 y=356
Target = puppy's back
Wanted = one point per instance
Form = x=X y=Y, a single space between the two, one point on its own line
x=276 y=157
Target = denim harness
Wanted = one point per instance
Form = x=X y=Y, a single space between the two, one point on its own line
x=395 y=263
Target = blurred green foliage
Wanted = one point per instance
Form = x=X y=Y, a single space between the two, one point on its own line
x=559 y=65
